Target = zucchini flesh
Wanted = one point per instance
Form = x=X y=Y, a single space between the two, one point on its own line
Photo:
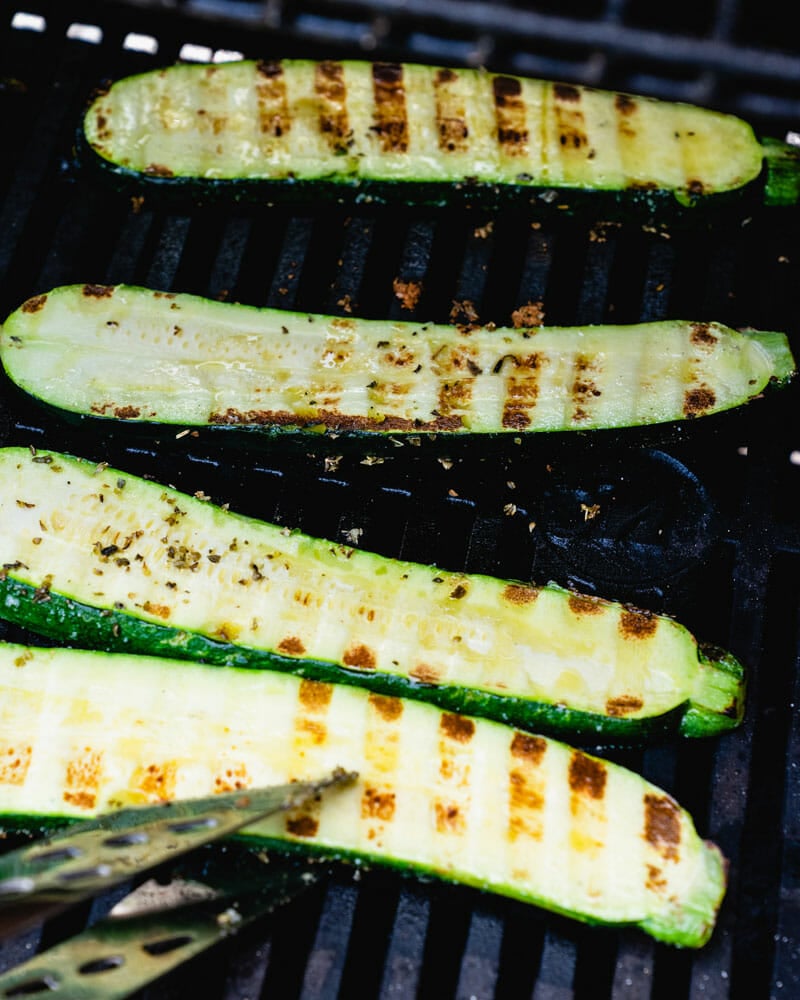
x=465 y=799
x=132 y=354
x=409 y=127
x=95 y=557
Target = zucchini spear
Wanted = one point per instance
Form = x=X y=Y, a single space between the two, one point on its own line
x=423 y=134
x=98 y=558
x=466 y=800
x=150 y=357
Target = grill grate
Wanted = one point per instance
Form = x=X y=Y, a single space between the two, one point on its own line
x=516 y=513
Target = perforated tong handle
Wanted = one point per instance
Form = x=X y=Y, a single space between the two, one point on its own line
x=118 y=956
x=82 y=861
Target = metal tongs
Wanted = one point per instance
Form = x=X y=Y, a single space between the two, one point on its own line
x=156 y=927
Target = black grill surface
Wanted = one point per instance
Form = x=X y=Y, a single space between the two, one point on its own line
x=698 y=521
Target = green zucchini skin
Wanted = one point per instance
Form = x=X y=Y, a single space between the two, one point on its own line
x=96 y=557
x=124 y=353
x=378 y=133
x=466 y=800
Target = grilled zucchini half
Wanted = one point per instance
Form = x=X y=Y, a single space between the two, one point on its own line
x=141 y=356
x=378 y=132
x=98 y=558
x=464 y=799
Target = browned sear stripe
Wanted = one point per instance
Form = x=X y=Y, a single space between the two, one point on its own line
x=585 y=604
x=390 y=121
x=570 y=120
x=623 y=705
x=587 y=775
x=14 y=764
x=451 y=124
x=315 y=696
x=360 y=656
x=330 y=88
x=637 y=624
x=449 y=818
x=82 y=779
x=524 y=746
x=377 y=805
x=698 y=401
x=273 y=109
x=509 y=109
x=457 y=727
x=302 y=826
x=157 y=781
x=525 y=805
x=35 y=304
x=662 y=825
x=388 y=707
x=626 y=107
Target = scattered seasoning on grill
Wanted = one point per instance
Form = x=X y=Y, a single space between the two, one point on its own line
x=464 y=314
x=408 y=292
x=531 y=314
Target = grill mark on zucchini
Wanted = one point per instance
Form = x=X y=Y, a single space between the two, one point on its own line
x=235 y=778
x=510 y=114
x=382 y=752
x=662 y=826
x=156 y=782
x=455 y=766
x=15 y=760
x=584 y=388
x=82 y=778
x=587 y=776
x=273 y=110
x=522 y=389
x=698 y=400
x=451 y=113
x=527 y=787
x=390 y=120
x=626 y=108
x=703 y=337
x=636 y=623
x=329 y=85
x=570 y=124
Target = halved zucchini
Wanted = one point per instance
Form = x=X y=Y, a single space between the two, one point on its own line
x=140 y=356
x=388 y=131
x=442 y=794
x=96 y=557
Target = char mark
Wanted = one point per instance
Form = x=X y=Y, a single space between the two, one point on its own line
x=331 y=91
x=509 y=107
x=390 y=119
